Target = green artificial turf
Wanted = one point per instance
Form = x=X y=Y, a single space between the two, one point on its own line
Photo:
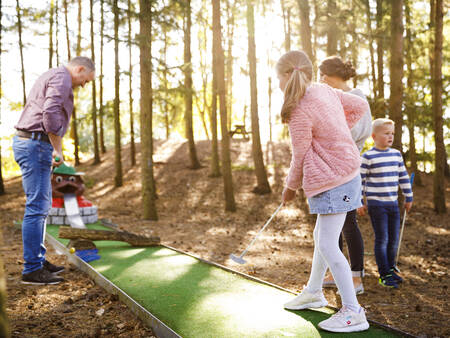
x=196 y=299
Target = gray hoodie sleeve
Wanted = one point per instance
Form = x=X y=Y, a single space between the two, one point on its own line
x=363 y=128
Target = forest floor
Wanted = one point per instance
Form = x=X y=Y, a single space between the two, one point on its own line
x=192 y=218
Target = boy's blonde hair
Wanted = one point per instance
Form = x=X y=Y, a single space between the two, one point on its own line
x=378 y=123
x=299 y=66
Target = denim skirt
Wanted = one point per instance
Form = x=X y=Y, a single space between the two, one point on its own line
x=343 y=198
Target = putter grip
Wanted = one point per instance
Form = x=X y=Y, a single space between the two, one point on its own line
x=57 y=158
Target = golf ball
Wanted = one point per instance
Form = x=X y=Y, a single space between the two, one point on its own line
x=72 y=250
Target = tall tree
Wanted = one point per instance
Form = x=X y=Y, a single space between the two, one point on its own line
x=118 y=178
x=74 y=129
x=19 y=26
x=50 y=34
x=66 y=20
x=218 y=54
x=262 y=184
x=2 y=186
x=305 y=28
x=436 y=90
x=371 y=50
x=57 y=31
x=286 y=11
x=215 y=166
x=231 y=8
x=101 y=108
x=396 y=71
x=130 y=93
x=145 y=46
x=332 y=28
x=410 y=97
x=195 y=164
x=380 y=104
x=94 y=91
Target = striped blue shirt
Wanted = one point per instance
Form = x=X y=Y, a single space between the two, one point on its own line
x=382 y=171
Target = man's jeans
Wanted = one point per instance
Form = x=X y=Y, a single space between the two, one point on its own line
x=386 y=225
x=35 y=160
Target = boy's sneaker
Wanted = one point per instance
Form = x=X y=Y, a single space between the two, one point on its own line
x=396 y=277
x=307 y=300
x=388 y=281
x=52 y=267
x=41 y=277
x=346 y=320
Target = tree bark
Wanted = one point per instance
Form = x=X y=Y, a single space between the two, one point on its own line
x=118 y=178
x=94 y=92
x=145 y=46
x=50 y=35
x=195 y=164
x=305 y=28
x=262 y=184
x=102 y=27
x=371 y=50
x=19 y=26
x=286 y=25
x=396 y=71
x=2 y=186
x=230 y=204
x=229 y=60
x=380 y=104
x=107 y=235
x=165 y=85
x=66 y=20
x=57 y=32
x=332 y=29
x=132 y=145
x=436 y=91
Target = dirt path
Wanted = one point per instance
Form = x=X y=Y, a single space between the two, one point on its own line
x=192 y=218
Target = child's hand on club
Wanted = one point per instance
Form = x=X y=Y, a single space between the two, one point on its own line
x=408 y=206
x=287 y=195
x=362 y=211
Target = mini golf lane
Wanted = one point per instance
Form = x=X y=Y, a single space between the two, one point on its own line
x=196 y=299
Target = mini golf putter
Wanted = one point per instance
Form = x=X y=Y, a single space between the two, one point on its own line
x=240 y=259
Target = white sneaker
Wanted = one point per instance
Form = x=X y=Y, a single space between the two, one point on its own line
x=346 y=320
x=306 y=300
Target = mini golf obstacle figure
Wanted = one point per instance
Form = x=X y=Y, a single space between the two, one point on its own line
x=69 y=207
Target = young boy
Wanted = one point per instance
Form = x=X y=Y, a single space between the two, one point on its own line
x=382 y=171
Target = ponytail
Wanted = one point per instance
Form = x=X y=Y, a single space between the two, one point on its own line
x=298 y=65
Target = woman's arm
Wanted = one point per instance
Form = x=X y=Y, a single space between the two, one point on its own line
x=354 y=107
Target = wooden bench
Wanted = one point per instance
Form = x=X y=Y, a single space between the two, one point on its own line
x=239 y=129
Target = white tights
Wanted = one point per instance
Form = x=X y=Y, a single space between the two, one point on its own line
x=327 y=254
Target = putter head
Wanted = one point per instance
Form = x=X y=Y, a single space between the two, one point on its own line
x=237 y=259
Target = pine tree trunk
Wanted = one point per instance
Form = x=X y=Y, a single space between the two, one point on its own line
x=270 y=108
x=332 y=29
x=215 y=166
x=396 y=71
x=436 y=90
x=380 y=104
x=118 y=179
x=132 y=145
x=165 y=86
x=410 y=106
x=145 y=46
x=229 y=61
x=57 y=32
x=19 y=26
x=4 y=327
x=262 y=186
x=305 y=28
x=2 y=186
x=66 y=20
x=50 y=35
x=101 y=110
x=230 y=204
x=94 y=92
x=195 y=164
x=371 y=50
x=286 y=25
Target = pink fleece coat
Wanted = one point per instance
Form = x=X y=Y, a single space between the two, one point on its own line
x=324 y=155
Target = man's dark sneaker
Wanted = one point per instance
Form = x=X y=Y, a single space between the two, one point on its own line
x=52 y=267
x=388 y=281
x=41 y=277
x=396 y=277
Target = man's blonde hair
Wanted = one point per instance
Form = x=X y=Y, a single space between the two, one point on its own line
x=378 y=123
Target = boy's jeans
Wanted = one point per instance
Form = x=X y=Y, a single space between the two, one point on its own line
x=386 y=225
x=35 y=160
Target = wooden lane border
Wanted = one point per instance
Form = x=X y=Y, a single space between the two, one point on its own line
x=109 y=224
x=159 y=328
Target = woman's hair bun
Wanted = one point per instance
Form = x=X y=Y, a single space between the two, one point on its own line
x=348 y=71
x=334 y=66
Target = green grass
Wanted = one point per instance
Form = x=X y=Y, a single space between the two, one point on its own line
x=199 y=300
